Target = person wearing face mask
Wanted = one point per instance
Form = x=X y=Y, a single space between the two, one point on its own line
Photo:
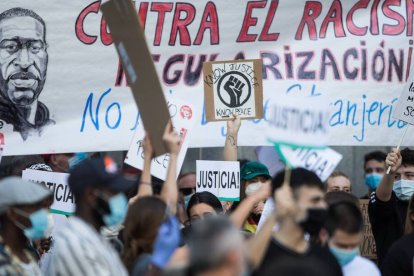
x=23 y=219
x=300 y=209
x=186 y=188
x=400 y=257
x=374 y=169
x=387 y=207
x=253 y=175
x=344 y=225
x=100 y=201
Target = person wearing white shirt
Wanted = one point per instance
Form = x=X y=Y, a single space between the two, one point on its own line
x=344 y=225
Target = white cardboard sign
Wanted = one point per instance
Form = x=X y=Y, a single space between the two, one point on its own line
x=404 y=109
x=221 y=178
x=63 y=198
x=184 y=118
x=298 y=121
x=321 y=161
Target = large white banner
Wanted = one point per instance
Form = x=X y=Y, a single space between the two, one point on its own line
x=63 y=89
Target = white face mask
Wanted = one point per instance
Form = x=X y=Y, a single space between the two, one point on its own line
x=404 y=189
x=251 y=188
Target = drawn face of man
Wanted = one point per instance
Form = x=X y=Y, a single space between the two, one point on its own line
x=23 y=59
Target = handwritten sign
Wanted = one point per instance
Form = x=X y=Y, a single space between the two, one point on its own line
x=368 y=248
x=184 y=118
x=63 y=198
x=296 y=121
x=233 y=88
x=221 y=178
x=404 y=109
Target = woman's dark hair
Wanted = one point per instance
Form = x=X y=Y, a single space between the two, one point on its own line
x=206 y=198
x=141 y=227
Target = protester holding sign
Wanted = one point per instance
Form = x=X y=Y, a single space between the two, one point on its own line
x=300 y=209
x=388 y=205
x=147 y=212
x=23 y=218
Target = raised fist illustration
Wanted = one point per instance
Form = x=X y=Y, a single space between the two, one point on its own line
x=234 y=88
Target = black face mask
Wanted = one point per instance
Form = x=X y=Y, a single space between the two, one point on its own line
x=314 y=221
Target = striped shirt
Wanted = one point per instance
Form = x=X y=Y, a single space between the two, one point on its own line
x=80 y=250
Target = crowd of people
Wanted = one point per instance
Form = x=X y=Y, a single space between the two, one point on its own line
x=126 y=222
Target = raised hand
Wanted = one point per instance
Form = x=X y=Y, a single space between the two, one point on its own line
x=394 y=160
x=171 y=139
x=234 y=88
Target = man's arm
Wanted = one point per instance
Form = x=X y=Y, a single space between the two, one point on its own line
x=245 y=207
x=384 y=189
x=230 y=146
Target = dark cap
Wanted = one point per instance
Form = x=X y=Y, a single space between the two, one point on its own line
x=98 y=173
x=252 y=169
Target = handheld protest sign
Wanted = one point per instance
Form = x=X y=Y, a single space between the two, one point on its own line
x=320 y=161
x=63 y=198
x=183 y=116
x=298 y=122
x=140 y=70
x=233 y=88
x=221 y=178
x=404 y=110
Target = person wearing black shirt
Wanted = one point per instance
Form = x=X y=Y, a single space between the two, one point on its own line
x=300 y=209
x=400 y=258
x=387 y=207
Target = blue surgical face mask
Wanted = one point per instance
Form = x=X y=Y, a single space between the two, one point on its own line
x=39 y=221
x=344 y=256
x=187 y=200
x=118 y=208
x=76 y=159
x=404 y=189
x=372 y=180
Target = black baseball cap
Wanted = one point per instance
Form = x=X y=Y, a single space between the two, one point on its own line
x=98 y=173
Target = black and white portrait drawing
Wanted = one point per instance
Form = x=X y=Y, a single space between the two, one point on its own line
x=23 y=66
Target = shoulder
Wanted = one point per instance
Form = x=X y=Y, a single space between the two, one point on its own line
x=375 y=201
x=404 y=245
x=362 y=266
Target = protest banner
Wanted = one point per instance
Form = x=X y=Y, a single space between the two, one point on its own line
x=221 y=178
x=358 y=66
x=63 y=198
x=367 y=248
x=233 y=88
x=139 y=67
x=184 y=118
